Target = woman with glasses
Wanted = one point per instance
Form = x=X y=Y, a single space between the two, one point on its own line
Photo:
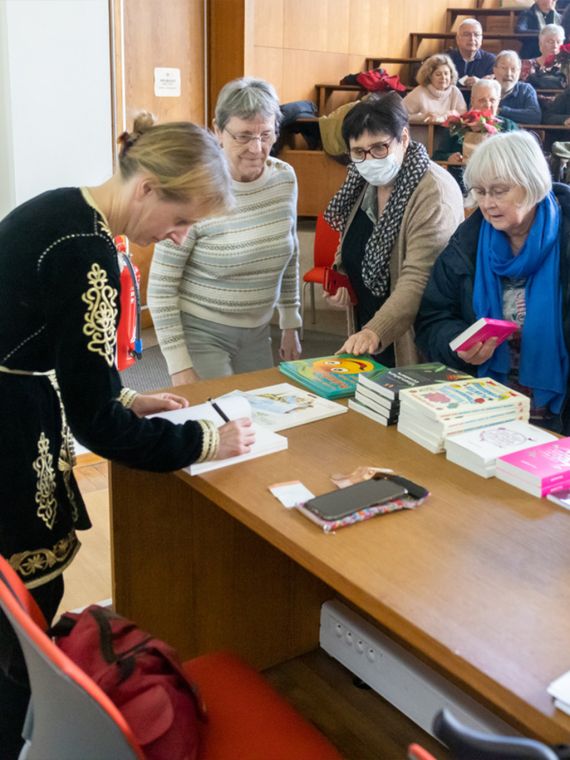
x=396 y=211
x=212 y=295
x=509 y=260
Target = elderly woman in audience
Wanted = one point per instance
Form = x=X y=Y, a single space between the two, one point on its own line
x=509 y=260
x=472 y=63
x=518 y=99
x=535 y=71
x=541 y=13
x=485 y=96
x=213 y=295
x=436 y=97
x=395 y=212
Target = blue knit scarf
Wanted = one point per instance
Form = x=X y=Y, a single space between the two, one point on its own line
x=544 y=357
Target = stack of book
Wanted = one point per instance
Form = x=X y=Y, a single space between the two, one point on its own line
x=377 y=394
x=331 y=376
x=429 y=413
x=478 y=450
x=538 y=470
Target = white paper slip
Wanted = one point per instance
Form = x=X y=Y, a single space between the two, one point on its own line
x=560 y=690
x=292 y=493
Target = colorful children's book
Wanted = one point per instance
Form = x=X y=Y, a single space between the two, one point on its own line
x=282 y=406
x=482 y=330
x=331 y=376
x=391 y=382
x=539 y=469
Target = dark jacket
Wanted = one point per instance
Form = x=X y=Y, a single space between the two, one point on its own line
x=521 y=104
x=559 y=110
x=481 y=65
x=446 y=308
x=528 y=22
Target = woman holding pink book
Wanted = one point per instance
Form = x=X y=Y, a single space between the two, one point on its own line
x=509 y=260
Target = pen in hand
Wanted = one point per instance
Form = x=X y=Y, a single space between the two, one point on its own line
x=221 y=412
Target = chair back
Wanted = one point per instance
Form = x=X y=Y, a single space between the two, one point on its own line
x=69 y=715
x=326 y=243
x=466 y=743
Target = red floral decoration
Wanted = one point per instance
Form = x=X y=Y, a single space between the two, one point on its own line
x=473 y=121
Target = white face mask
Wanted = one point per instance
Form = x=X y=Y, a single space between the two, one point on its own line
x=379 y=171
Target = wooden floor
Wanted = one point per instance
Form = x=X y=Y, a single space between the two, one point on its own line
x=360 y=723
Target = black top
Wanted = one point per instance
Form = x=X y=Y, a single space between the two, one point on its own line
x=59 y=308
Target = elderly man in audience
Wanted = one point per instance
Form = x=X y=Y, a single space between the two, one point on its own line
x=535 y=71
x=540 y=13
x=508 y=260
x=471 y=62
x=436 y=96
x=485 y=96
x=519 y=101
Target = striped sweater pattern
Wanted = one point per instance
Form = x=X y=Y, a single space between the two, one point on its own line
x=233 y=269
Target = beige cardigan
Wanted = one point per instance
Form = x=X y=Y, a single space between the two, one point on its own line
x=434 y=211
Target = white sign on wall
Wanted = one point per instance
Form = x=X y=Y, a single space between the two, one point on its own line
x=167 y=83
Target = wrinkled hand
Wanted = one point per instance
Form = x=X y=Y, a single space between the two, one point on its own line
x=290 y=348
x=185 y=377
x=479 y=353
x=158 y=402
x=567 y=122
x=340 y=300
x=455 y=158
x=364 y=342
x=470 y=81
x=236 y=437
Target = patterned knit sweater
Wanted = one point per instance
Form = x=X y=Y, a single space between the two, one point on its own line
x=233 y=269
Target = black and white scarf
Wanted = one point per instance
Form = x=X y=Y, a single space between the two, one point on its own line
x=376 y=260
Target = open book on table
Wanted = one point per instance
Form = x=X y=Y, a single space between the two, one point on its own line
x=234 y=407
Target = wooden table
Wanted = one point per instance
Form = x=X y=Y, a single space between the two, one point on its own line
x=476 y=582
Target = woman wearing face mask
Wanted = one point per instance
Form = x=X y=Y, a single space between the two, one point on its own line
x=395 y=211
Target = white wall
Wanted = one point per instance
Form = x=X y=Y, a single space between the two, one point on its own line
x=56 y=96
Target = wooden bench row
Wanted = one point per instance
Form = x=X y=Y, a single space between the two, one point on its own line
x=482 y=15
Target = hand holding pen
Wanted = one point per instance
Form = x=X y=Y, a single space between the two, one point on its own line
x=236 y=437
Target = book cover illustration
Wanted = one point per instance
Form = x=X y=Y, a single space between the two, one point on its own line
x=482 y=330
x=283 y=406
x=546 y=463
x=331 y=376
x=474 y=395
x=492 y=442
x=391 y=382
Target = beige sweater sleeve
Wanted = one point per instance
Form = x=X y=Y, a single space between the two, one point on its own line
x=434 y=211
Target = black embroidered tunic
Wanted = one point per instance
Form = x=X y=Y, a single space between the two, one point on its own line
x=59 y=288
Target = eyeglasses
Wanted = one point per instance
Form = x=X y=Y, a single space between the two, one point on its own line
x=378 y=150
x=471 y=34
x=243 y=138
x=497 y=192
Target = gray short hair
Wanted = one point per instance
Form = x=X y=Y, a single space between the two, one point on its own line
x=553 y=29
x=508 y=54
x=247 y=98
x=512 y=158
x=470 y=22
x=488 y=84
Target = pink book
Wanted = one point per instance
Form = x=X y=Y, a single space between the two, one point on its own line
x=545 y=466
x=482 y=330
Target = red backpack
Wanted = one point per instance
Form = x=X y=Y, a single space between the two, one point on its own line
x=141 y=675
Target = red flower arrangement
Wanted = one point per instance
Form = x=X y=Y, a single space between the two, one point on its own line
x=562 y=58
x=473 y=121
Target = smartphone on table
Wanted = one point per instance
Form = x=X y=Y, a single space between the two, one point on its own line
x=346 y=501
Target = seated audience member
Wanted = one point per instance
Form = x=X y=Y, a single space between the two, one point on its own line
x=471 y=62
x=436 y=97
x=485 y=96
x=558 y=111
x=395 y=212
x=518 y=99
x=533 y=19
x=508 y=260
x=213 y=296
x=542 y=72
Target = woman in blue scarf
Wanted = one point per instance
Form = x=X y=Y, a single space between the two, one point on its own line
x=509 y=260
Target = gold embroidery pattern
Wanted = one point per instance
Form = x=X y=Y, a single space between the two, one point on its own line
x=43 y=466
x=66 y=460
x=29 y=563
x=101 y=314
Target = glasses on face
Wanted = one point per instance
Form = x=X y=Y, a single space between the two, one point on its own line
x=477 y=35
x=378 y=150
x=496 y=192
x=244 y=138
